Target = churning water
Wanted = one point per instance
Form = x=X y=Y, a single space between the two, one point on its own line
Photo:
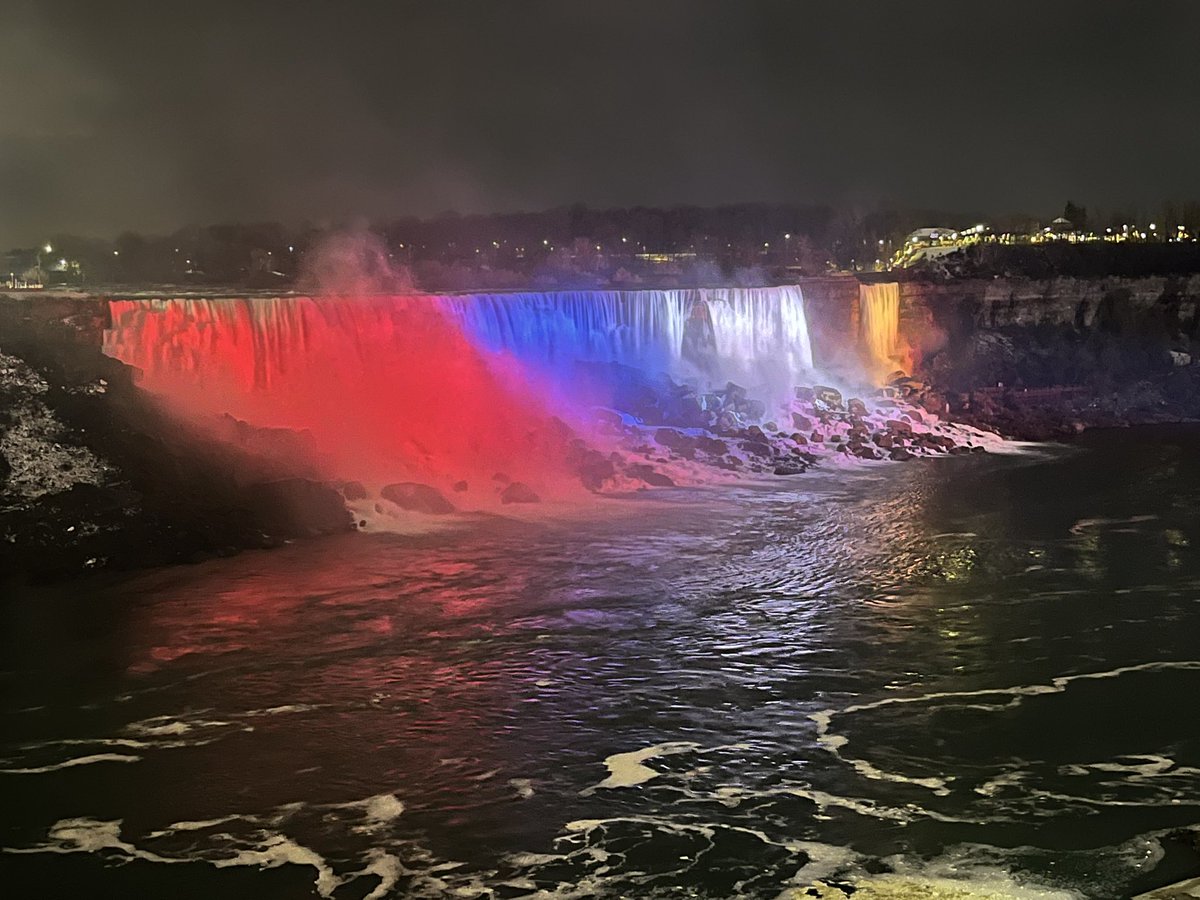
x=970 y=674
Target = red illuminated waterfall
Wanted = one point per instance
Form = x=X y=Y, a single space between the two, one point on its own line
x=389 y=387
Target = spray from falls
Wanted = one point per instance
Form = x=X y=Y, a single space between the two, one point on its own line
x=388 y=387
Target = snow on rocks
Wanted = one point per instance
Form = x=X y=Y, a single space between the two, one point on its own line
x=895 y=424
x=35 y=459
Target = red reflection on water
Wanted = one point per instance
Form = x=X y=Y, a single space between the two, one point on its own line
x=388 y=387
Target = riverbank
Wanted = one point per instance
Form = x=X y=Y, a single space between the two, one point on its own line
x=95 y=475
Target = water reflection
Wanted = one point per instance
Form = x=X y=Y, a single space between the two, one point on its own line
x=873 y=662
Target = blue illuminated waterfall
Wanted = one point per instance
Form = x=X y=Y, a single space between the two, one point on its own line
x=755 y=334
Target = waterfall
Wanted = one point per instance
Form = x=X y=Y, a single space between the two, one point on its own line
x=449 y=383
x=879 y=309
x=721 y=332
x=384 y=385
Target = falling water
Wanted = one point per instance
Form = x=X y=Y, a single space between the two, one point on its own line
x=752 y=333
x=879 y=307
x=385 y=385
x=447 y=385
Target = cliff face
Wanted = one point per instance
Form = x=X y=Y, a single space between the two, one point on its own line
x=1082 y=303
x=831 y=307
x=94 y=475
x=1066 y=352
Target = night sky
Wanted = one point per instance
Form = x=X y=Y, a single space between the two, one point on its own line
x=150 y=116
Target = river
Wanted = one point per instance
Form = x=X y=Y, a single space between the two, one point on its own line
x=959 y=674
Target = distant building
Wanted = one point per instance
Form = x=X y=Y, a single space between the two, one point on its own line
x=1061 y=227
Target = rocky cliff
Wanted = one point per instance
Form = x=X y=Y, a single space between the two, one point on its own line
x=93 y=475
x=1039 y=358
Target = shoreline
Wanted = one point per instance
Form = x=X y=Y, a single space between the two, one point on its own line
x=126 y=485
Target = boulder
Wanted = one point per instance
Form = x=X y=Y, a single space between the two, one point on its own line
x=790 y=469
x=733 y=393
x=728 y=422
x=682 y=444
x=595 y=469
x=899 y=426
x=296 y=506
x=759 y=448
x=417 y=497
x=801 y=423
x=688 y=412
x=519 y=492
x=856 y=407
x=354 y=490
x=712 y=446
x=752 y=409
x=899 y=454
x=827 y=396
x=934 y=403
x=649 y=475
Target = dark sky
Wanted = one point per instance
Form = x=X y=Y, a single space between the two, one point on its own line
x=119 y=115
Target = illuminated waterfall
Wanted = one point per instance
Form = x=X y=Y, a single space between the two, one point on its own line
x=752 y=332
x=879 y=318
x=448 y=384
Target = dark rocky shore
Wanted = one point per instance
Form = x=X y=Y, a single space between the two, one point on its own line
x=93 y=475
x=1044 y=359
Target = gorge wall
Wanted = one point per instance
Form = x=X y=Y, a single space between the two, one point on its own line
x=1040 y=358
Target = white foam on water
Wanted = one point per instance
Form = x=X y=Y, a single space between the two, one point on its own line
x=1011 y=696
x=279 y=850
x=378 y=811
x=87 y=835
x=387 y=867
x=71 y=763
x=169 y=728
x=200 y=825
x=1084 y=525
x=998 y=885
x=628 y=769
x=523 y=787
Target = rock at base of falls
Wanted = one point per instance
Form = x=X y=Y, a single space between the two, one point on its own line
x=519 y=492
x=417 y=497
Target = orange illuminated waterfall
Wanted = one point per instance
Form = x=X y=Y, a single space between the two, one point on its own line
x=879 y=326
